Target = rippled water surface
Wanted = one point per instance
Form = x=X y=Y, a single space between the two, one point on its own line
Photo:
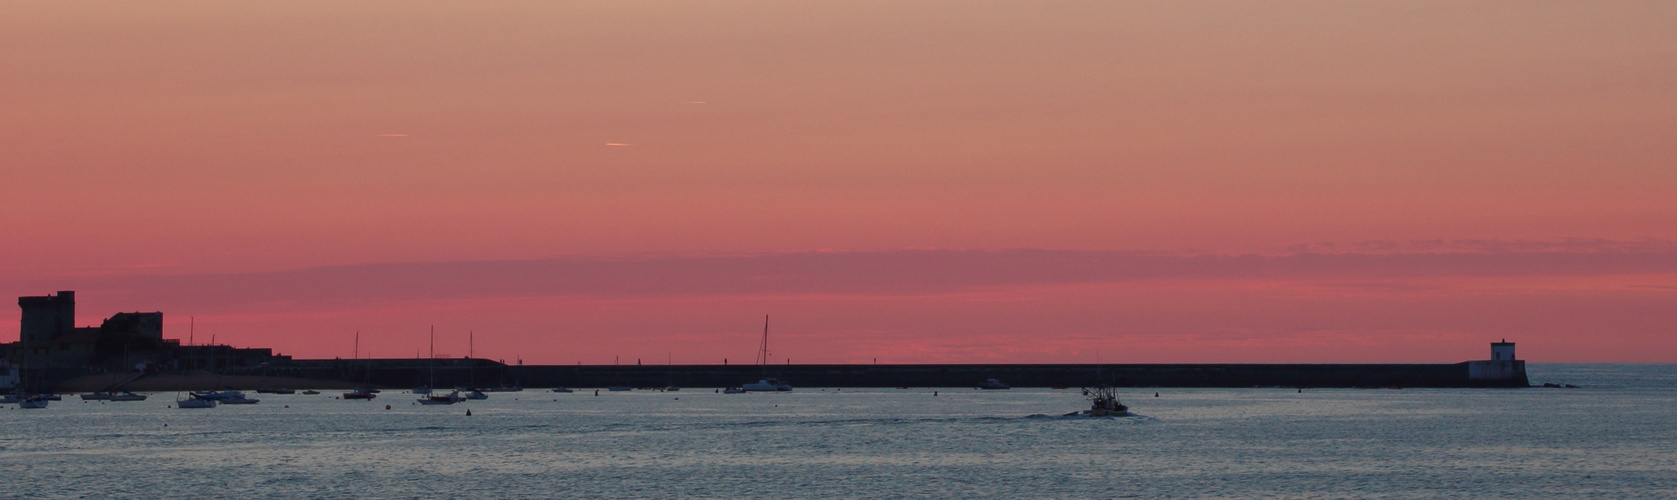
x=1616 y=436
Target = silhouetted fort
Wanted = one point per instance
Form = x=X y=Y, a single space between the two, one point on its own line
x=58 y=351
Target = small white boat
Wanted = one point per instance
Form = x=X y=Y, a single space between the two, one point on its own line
x=446 y=399
x=34 y=402
x=127 y=396
x=992 y=385
x=733 y=390
x=562 y=389
x=766 y=385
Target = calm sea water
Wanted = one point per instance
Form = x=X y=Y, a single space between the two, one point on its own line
x=1615 y=437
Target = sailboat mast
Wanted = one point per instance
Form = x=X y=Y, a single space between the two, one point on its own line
x=432 y=363
x=763 y=351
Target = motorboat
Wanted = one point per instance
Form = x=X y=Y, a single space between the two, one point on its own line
x=620 y=388
x=446 y=399
x=96 y=396
x=227 y=397
x=194 y=402
x=671 y=389
x=34 y=402
x=310 y=392
x=237 y=398
x=991 y=384
x=1103 y=403
x=119 y=396
x=766 y=385
x=476 y=394
x=281 y=390
x=11 y=399
x=733 y=390
x=562 y=389
x=360 y=393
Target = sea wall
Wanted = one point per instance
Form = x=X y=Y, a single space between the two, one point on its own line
x=485 y=373
x=1033 y=375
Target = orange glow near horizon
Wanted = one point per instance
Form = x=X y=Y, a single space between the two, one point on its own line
x=153 y=151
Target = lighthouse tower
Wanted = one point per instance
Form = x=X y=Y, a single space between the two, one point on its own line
x=1502 y=351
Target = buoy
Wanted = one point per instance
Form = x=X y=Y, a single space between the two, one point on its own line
x=1155 y=394
x=287 y=406
x=386 y=407
x=934 y=393
x=468 y=412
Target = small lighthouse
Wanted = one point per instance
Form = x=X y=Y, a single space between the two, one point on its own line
x=1503 y=369
x=1502 y=351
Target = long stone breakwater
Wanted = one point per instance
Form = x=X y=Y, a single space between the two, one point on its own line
x=487 y=373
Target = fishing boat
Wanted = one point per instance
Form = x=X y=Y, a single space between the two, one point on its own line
x=767 y=384
x=992 y=385
x=1103 y=403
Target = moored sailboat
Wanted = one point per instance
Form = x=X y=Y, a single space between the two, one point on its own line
x=767 y=384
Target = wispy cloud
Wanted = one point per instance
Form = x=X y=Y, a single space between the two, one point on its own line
x=905 y=272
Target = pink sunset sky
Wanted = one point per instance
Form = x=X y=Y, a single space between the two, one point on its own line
x=906 y=181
